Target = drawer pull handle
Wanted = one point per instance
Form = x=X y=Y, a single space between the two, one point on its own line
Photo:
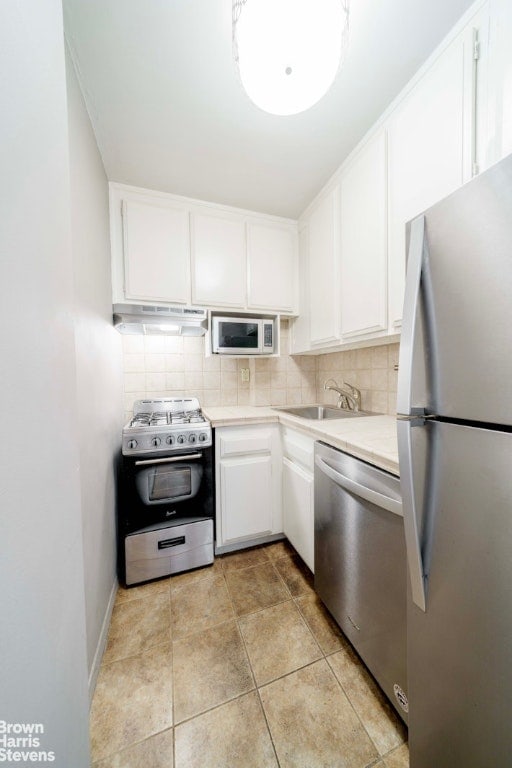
x=170 y=460
x=171 y=542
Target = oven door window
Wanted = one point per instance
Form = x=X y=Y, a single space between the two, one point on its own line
x=168 y=483
x=171 y=484
x=239 y=336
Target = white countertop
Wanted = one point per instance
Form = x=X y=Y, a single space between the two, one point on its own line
x=372 y=438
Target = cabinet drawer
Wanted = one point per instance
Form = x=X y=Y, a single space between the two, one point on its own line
x=299 y=448
x=243 y=443
x=168 y=549
x=170 y=539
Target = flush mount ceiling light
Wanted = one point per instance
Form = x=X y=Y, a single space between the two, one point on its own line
x=288 y=52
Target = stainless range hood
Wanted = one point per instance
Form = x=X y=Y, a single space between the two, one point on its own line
x=146 y=319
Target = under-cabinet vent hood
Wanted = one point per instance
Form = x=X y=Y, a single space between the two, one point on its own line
x=139 y=319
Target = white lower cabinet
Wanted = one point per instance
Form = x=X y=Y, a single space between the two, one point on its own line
x=298 y=510
x=298 y=493
x=248 y=485
x=264 y=487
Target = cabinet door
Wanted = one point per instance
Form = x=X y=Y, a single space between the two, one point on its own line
x=364 y=242
x=272 y=266
x=300 y=336
x=498 y=128
x=156 y=252
x=246 y=497
x=218 y=260
x=426 y=145
x=324 y=258
x=298 y=519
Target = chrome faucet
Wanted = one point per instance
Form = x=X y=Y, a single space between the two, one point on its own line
x=349 y=397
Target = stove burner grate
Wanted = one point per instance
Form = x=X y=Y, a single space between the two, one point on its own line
x=159 y=417
x=167 y=416
x=141 y=420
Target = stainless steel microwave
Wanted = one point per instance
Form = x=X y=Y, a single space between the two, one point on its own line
x=243 y=335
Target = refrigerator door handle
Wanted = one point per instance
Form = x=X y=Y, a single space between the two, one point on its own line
x=374 y=497
x=411 y=513
x=410 y=315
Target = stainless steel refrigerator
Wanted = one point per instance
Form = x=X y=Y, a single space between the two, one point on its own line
x=455 y=449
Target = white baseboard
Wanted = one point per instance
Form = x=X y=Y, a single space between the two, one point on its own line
x=102 y=641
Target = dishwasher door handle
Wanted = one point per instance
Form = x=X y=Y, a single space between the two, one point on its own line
x=368 y=494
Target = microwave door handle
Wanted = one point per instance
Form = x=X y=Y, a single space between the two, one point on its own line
x=264 y=325
x=215 y=335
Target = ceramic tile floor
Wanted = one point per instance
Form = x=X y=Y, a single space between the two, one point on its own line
x=237 y=666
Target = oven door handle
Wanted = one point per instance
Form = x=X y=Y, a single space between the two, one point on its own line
x=169 y=459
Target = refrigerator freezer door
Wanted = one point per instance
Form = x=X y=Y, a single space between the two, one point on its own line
x=466 y=303
x=460 y=649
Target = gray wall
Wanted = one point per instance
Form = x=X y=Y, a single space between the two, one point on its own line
x=98 y=368
x=43 y=664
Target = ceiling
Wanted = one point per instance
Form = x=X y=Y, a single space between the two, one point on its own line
x=170 y=114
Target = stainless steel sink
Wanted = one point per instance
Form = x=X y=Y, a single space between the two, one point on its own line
x=321 y=412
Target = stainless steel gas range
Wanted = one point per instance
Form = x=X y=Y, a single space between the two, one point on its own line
x=166 y=493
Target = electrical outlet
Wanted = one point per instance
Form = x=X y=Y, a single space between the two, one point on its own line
x=245 y=375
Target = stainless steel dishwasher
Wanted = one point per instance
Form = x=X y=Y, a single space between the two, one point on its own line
x=360 y=563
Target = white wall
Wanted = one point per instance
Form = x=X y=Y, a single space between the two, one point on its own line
x=98 y=366
x=43 y=666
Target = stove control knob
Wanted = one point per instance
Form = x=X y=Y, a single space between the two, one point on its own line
x=170 y=440
x=155 y=441
x=192 y=438
x=203 y=437
x=132 y=444
x=180 y=439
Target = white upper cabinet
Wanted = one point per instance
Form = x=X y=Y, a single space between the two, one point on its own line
x=435 y=136
x=299 y=327
x=272 y=265
x=498 y=128
x=218 y=260
x=155 y=251
x=171 y=249
x=364 y=242
x=431 y=147
x=324 y=264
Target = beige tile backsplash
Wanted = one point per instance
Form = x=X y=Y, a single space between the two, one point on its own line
x=372 y=370
x=168 y=366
